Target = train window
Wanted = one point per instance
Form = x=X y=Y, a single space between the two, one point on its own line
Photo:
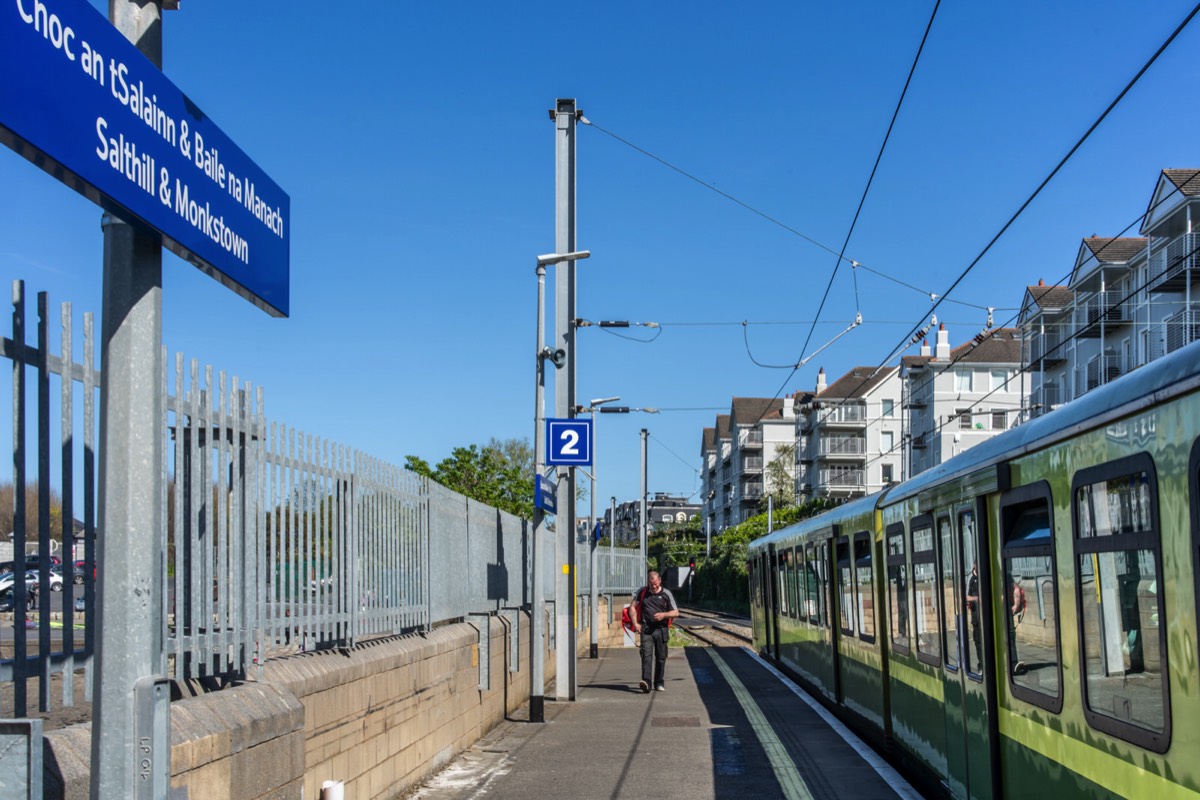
x=801 y=585
x=1118 y=561
x=812 y=597
x=826 y=586
x=1034 y=662
x=794 y=556
x=845 y=585
x=897 y=588
x=949 y=593
x=926 y=606
x=973 y=644
x=865 y=581
x=781 y=582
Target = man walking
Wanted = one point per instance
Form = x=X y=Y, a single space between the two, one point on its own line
x=653 y=609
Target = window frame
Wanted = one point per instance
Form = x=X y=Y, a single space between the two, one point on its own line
x=959 y=514
x=965 y=419
x=896 y=529
x=950 y=651
x=925 y=522
x=1141 y=540
x=810 y=566
x=843 y=558
x=1012 y=503
x=887 y=408
x=869 y=540
x=962 y=376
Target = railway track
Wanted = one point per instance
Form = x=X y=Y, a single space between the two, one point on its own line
x=715 y=628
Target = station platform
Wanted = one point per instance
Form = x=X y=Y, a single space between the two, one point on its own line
x=727 y=726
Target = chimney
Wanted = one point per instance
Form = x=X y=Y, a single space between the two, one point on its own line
x=925 y=348
x=943 y=342
x=821 y=380
x=1041 y=282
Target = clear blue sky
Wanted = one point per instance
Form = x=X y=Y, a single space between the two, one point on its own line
x=414 y=142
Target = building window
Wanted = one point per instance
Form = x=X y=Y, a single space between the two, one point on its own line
x=999 y=379
x=887 y=473
x=1118 y=563
x=963 y=380
x=887 y=440
x=1027 y=529
x=964 y=418
x=889 y=407
x=999 y=420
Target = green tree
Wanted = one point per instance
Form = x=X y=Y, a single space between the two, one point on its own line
x=500 y=473
x=780 y=479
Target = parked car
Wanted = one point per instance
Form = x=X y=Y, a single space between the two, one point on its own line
x=31 y=580
x=79 y=570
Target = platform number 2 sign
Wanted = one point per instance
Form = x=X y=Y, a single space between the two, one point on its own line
x=569 y=442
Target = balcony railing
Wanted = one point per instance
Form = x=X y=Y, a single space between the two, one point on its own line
x=1090 y=312
x=1046 y=398
x=752 y=463
x=1048 y=346
x=751 y=491
x=1173 y=266
x=750 y=439
x=1102 y=369
x=842 y=479
x=920 y=441
x=846 y=446
x=1180 y=329
x=844 y=415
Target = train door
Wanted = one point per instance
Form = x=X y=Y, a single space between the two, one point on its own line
x=827 y=634
x=771 y=577
x=967 y=649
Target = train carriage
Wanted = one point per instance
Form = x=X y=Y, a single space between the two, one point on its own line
x=1032 y=602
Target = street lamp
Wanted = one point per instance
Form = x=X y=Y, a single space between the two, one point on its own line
x=594 y=644
x=598 y=404
x=537 y=671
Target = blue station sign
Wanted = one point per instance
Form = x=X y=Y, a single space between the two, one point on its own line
x=569 y=442
x=545 y=494
x=82 y=102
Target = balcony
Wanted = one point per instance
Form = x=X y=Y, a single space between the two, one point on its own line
x=1101 y=370
x=1172 y=267
x=1181 y=329
x=751 y=493
x=1047 y=348
x=842 y=479
x=752 y=464
x=749 y=440
x=1045 y=399
x=853 y=416
x=843 y=447
x=1100 y=308
x=921 y=441
x=916 y=401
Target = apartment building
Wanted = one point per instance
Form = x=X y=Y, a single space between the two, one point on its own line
x=848 y=434
x=954 y=399
x=1129 y=301
x=741 y=453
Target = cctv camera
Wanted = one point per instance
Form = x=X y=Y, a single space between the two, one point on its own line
x=557 y=356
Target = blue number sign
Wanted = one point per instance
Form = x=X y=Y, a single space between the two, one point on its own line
x=569 y=442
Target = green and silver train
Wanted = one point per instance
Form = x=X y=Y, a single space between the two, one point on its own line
x=1021 y=619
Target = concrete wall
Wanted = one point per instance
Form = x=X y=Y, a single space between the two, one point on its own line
x=381 y=717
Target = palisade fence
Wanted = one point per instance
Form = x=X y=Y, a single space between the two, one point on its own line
x=275 y=541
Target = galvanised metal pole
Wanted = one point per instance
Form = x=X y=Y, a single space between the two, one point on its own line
x=612 y=534
x=130 y=728
x=537 y=647
x=593 y=637
x=642 y=521
x=564 y=395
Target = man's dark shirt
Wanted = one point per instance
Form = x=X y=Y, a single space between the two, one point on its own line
x=653 y=604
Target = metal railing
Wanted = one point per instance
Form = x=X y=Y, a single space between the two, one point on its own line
x=274 y=540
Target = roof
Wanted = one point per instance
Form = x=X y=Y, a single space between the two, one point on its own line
x=1000 y=346
x=1051 y=298
x=1187 y=181
x=858 y=382
x=708 y=440
x=749 y=410
x=723 y=426
x=1116 y=251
